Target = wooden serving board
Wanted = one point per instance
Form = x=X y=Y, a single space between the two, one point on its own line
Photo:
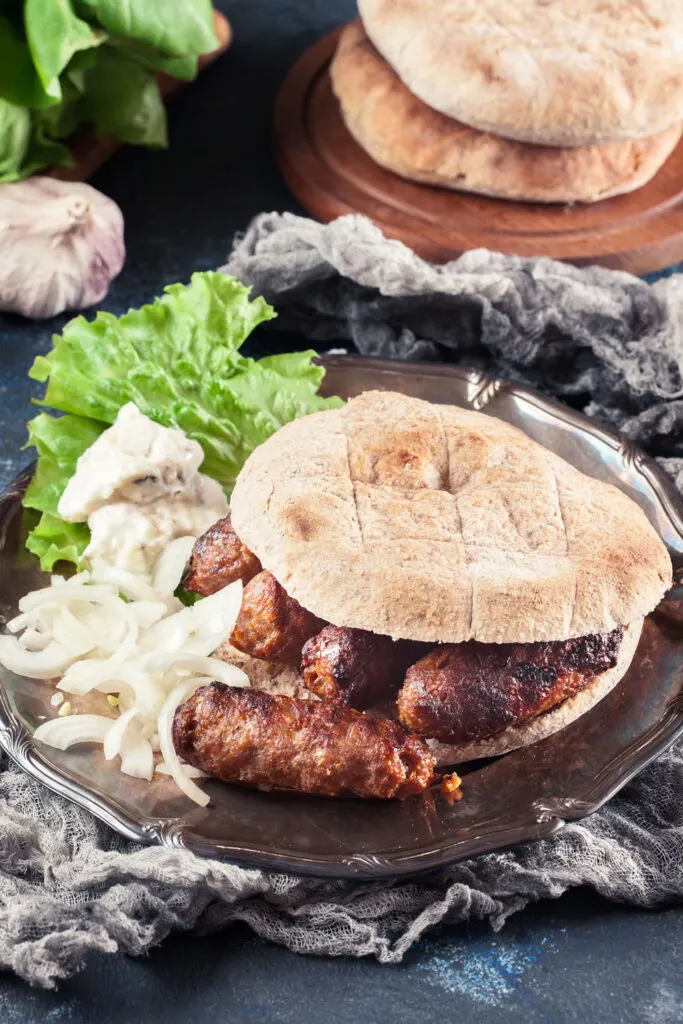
x=331 y=175
x=90 y=151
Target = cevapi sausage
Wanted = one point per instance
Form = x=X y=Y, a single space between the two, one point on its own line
x=271 y=624
x=218 y=558
x=470 y=691
x=306 y=746
x=356 y=667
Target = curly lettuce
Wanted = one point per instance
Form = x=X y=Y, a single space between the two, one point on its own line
x=179 y=361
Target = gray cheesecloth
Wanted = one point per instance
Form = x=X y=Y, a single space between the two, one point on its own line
x=606 y=342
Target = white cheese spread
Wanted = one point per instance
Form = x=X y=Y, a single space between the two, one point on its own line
x=138 y=487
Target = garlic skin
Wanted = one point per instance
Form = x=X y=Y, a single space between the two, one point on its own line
x=61 y=245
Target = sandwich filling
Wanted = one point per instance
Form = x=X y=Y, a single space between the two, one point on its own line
x=449 y=692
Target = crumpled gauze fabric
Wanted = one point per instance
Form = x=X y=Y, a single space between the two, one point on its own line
x=607 y=342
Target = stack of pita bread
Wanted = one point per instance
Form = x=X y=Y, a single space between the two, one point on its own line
x=537 y=100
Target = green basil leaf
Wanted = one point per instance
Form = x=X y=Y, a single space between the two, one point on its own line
x=19 y=81
x=55 y=33
x=122 y=98
x=174 y=27
x=15 y=136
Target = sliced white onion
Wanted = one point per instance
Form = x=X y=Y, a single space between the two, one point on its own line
x=82 y=618
x=79 y=577
x=114 y=740
x=127 y=646
x=65 y=732
x=189 y=769
x=170 y=565
x=62 y=594
x=200 y=629
x=148 y=612
x=215 y=616
x=26 y=620
x=212 y=668
x=137 y=759
x=49 y=663
x=74 y=636
x=111 y=632
x=33 y=640
x=114 y=677
x=165 y=724
x=126 y=583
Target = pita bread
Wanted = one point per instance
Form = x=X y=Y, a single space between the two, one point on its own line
x=535 y=729
x=271 y=676
x=555 y=72
x=403 y=134
x=435 y=523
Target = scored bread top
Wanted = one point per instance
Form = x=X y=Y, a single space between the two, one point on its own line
x=434 y=523
x=555 y=72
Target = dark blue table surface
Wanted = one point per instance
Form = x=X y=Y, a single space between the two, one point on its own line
x=578 y=959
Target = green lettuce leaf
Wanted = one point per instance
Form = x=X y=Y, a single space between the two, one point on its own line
x=26 y=145
x=49 y=87
x=53 y=540
x=174 y=27
x=59 y=443
x=178 y=360
x=61 y=120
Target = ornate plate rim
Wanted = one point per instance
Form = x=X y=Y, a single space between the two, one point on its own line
x=545 y=816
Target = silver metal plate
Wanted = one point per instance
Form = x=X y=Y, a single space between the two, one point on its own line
x=523 y=796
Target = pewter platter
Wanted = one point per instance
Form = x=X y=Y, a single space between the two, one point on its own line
x=523 y=796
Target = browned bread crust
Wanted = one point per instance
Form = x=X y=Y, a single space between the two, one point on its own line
x=403 y=134
x=556 y=72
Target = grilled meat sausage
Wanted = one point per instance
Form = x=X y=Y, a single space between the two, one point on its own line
x=470 y=691
x=358 y=668
x=218 y=558
x=244 y=735
x=271 y=624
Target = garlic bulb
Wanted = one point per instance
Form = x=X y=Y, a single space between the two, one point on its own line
x=61 y=244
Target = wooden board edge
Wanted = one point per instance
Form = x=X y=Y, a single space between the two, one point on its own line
x=308 y=179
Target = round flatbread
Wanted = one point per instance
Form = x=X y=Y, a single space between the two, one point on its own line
x=403 y=134
x=556 y=72
x=435 y=523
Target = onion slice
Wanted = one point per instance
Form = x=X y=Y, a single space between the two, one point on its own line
x=165 y=722
x=170 y=566
x=66 y=732
x=200 y=629
x=137 y=758
x=213 y=668
x=189 y=769
x=125 y=583
x=49 y=663
x=115 y=738
x=111 y=632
